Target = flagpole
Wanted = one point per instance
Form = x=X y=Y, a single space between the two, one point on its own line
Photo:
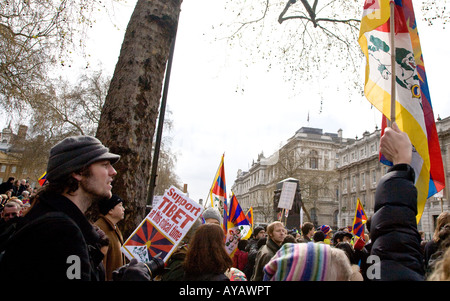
x=393 y=78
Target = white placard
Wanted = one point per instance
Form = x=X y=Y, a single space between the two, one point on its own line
x=287 y=195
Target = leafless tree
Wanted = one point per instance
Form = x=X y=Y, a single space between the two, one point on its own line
x=35 y=37
x=309 y=40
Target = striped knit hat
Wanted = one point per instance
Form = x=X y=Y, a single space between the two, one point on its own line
x=300 y=262
x=325 y=229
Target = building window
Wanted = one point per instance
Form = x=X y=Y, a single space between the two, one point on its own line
x=373 y=148
x=3 y=168
x=13 y=169
x=363 y=180
x=313 y=160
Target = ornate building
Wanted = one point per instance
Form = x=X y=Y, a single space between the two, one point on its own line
x=310 y=156
x=359 y=172
x=333 y=173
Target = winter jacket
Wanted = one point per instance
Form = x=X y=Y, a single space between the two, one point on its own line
x=114 y=258
x=240 y=259
x=393 y=229
x=174 y=268
x=262 y=258
x=59 y=248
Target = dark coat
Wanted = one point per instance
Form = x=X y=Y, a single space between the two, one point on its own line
x=174 y=268
x=393 y=229
x=52 y=249
x=252 y=250
x=5 y=186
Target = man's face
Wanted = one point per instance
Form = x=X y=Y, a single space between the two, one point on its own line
x=10 y=212
x=346 y=239
x=279 y=234
x=118 y=212
x=261 y=234
x=98 y=183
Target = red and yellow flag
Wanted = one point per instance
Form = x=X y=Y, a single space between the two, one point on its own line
x=413 y=110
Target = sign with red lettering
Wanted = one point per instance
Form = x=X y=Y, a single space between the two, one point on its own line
x=163 y=228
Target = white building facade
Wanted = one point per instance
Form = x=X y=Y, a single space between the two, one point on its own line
x=333 y=173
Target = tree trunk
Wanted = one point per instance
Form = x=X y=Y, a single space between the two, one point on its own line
x=128 y=119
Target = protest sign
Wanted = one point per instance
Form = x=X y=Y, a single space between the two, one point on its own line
x=163 y=228
x=287 y=195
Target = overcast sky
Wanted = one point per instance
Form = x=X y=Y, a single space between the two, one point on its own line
x=212 y=115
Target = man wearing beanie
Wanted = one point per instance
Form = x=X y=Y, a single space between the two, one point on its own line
x=111 y=212
x=56 y=241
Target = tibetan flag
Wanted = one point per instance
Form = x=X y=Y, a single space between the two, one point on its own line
x=249 y=216
x=413 y=110
x=359 y=220
x=43 y=179
x=236 y=216
x=218 y=193
x=238 y=225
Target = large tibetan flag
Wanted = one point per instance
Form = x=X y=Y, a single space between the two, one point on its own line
x=238 y=225
x=359 y=220
x=413 y=110
x=218 y=192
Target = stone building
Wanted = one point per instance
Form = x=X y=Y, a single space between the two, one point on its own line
x=310 y=156
x=333 y=173
x=359 y=172
x=11 y=159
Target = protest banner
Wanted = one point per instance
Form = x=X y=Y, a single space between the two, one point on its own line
x=287 y=195
x=163 y=228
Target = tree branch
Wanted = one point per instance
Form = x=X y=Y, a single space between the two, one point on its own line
x=312 y=14
x=254 y=21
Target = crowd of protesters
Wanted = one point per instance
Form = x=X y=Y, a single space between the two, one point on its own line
x=49 y=227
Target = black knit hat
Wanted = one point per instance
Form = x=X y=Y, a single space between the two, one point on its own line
x=73 y=153
x=105 y=205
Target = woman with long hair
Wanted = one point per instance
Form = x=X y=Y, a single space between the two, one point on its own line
x=206 y=258
x=433 y=245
